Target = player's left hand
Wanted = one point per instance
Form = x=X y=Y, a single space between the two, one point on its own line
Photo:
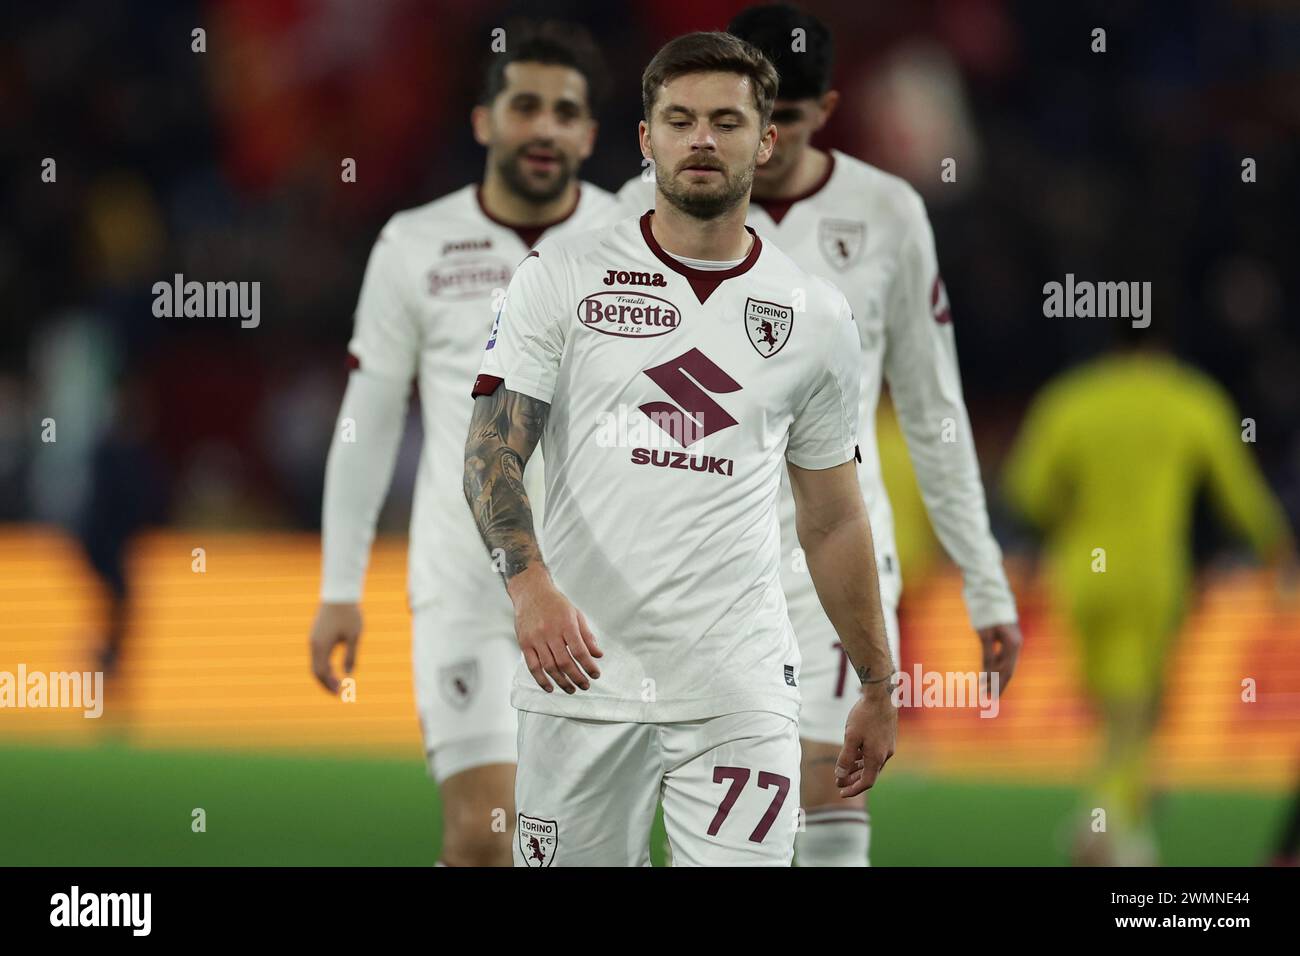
x=870 y=736
x=1001 y=644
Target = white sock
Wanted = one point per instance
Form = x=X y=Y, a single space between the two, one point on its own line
x=834 y=836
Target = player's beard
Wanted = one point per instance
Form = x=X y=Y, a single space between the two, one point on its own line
x=705 y=203
x=518 y=182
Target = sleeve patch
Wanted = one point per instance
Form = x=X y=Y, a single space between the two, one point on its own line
x=939 y=301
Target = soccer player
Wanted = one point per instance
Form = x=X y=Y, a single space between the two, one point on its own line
x=667 y=370
x=425 y=309
x=867 y=232
x=1107 y=463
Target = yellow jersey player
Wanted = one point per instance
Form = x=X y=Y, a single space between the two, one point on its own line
x=1108 y=463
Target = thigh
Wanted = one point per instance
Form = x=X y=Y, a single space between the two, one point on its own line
x=731 y=793
x=1120 y=647
x=585 y=791
x=463 y=670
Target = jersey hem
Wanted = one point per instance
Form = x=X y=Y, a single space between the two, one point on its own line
x=559 y=704
x=821 y=462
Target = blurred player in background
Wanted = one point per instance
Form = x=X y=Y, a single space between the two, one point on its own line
x=127 y=493
x=1108 y=463
x=425 y=310
x=867 y=232
x=680 y=323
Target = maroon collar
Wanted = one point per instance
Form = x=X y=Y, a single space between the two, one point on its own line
x=703 y=281
x=528 y=235
x=777 y=208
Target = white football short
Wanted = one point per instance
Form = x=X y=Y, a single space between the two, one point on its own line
x=463 y=670
x=586 y=790
x=828 y=687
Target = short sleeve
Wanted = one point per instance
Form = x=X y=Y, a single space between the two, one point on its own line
x=825 y=430
x=526 y=344
x=385 y=333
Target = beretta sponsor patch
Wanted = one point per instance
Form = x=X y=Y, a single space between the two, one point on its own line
x=632 y=315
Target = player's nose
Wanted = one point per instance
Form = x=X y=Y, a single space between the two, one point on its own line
x=702 y=137
x=545 y=126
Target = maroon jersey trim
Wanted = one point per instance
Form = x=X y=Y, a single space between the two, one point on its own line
x=703 y=281
x=528 y=235
x=777 y=208
x=485 y=385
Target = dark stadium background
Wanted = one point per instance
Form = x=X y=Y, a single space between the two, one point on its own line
x=225 y=165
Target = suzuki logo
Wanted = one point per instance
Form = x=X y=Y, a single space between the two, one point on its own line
x=688 y=380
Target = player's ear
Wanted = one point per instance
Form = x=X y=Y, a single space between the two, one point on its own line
x=480 y=121
x=830 y=99
x=766 y=144
x=643 y=138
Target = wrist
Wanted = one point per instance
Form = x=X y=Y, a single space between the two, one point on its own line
x=876 y=669
x=524 y=584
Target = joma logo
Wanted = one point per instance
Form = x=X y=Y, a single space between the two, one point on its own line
x=613 y=277
x=467 y=245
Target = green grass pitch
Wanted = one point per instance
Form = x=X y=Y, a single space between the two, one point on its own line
x=113 y=805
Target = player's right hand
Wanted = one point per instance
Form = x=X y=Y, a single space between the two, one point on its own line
x=553 y=634
x=870 y=735
x=334 y=624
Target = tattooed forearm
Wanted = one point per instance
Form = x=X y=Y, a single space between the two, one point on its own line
x=503 y=431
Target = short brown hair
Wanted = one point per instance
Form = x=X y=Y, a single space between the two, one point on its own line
x=711 y=52
x=555 y=43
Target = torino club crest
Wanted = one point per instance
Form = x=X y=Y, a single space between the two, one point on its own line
x=841 y=241
x=768 y=325
x=538 y=840
x=458 y=682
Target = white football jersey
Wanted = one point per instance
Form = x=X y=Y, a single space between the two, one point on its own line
x=435 y=278
x=867 y=232
x=675 y=394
